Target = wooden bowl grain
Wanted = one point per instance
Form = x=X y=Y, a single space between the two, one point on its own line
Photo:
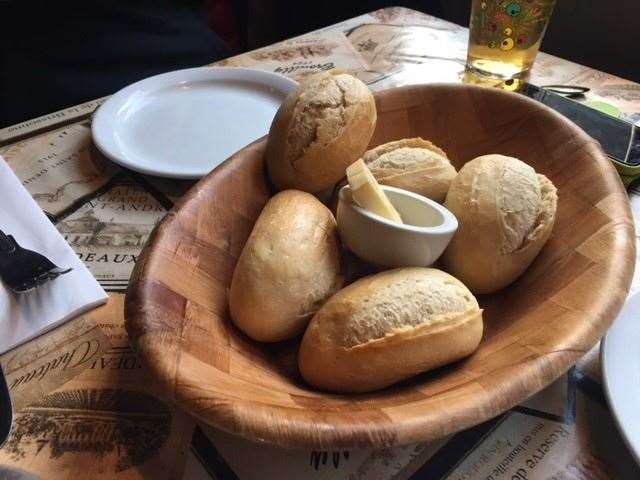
x=176 y=306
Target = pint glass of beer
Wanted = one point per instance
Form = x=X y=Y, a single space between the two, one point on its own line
x=505 y=35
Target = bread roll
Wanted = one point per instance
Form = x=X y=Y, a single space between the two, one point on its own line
x=289 y=266
x=413 y=164
x=505 y=215
x=321 y=128
x=388 y=327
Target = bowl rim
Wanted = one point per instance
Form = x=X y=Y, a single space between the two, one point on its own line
x=255 y=421
x=448 y=225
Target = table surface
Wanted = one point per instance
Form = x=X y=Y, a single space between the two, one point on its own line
x=83 y=405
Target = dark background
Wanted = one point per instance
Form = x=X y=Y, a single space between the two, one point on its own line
x=55 y=54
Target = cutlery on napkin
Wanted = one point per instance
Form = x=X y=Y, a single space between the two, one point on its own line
x=23 y=270
x=24 y=317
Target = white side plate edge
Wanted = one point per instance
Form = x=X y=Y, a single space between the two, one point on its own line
x=620 y=358
x=182 y=124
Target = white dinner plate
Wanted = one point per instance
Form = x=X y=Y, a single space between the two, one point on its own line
x=620 y=356
x=183 y=124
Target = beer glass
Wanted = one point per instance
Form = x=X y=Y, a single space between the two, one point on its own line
x=505 y=36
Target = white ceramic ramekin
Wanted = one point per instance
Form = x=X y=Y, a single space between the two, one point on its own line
x=427 y=230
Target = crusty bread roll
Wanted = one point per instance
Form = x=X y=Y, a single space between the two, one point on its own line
x=387 y=327
x=289 y=266
x=505 y=215
x=321 y=128
x=413 y=164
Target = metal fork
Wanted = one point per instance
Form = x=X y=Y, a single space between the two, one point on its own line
x=23 y=270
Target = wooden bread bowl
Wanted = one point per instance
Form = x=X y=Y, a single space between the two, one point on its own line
x=176 y=306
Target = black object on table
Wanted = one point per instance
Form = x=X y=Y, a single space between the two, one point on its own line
x=23 y=270
x=619 y=139
x=5 y=409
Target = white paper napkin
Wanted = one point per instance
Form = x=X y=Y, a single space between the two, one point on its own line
x=25 y=316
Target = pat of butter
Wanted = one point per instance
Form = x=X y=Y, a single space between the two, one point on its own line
x=366 y=192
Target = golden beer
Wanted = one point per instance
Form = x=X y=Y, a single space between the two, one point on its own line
x=505 y=36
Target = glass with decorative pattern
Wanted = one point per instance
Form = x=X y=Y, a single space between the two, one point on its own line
x=505 y=36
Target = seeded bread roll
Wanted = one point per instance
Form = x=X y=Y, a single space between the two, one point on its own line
x=505 y=212
x=289 y=266
x=412 y=164
x=321 y=128
x=387 y=327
